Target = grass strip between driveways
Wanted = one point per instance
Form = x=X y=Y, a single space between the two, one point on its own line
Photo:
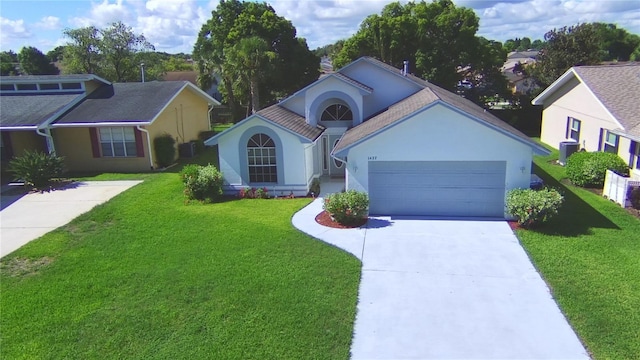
x=146 y=276
x=590 y=257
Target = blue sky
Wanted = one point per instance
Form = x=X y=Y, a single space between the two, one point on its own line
x=172 y=25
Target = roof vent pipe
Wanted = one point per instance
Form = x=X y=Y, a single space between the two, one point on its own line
x=405 y=70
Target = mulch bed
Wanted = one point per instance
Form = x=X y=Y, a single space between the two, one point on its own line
x=324 y=219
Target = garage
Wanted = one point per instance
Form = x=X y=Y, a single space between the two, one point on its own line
x=437 y=188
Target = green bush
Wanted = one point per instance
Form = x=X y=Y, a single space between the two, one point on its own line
x=634 y=197
x=588 y=169
x=531 y=207
x=347 y=207
x=36 y=168
x=165 y=148
x=201 y=182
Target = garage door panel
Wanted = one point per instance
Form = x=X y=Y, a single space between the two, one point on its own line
x=437 y=188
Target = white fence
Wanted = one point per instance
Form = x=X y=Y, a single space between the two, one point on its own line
x=616 y=188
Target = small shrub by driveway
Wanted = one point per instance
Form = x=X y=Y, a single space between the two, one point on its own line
x=533 y=207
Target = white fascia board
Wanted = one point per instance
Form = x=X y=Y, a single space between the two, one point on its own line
x=102 y=124
x=539 y=100
x=6 y=128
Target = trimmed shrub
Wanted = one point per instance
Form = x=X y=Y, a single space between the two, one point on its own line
x=532 y=207
x=201 y=182
x=634 y=197
x=253 y=193
x=588 y=169
x=36 y=168
x=347 y=207
x=165 y=148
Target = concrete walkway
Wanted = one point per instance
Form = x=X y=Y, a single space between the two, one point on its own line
x=27 y=217
x=447 y=289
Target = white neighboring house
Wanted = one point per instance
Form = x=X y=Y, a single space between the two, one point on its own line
x=597 y=106
x=415 y=148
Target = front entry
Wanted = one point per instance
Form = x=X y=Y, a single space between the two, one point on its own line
x=330 y=166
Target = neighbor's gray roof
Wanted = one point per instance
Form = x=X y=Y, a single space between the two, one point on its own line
x=31 y=110
x=124 y=102
x=290 y=120
x=49 y=78
x=429 y=94
x=618 y=89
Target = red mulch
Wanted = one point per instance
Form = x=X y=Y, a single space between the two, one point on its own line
x=325 y=219
x=514 y=225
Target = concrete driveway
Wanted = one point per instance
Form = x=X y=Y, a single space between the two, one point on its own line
x=447 y=289
x=27 y=217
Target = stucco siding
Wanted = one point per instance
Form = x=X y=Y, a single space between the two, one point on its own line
x=75 y=145
x=575 y=100
x=292 y=158
x=440 y=134
x=389 y=88
x=295 y=104
x=321 y=95
x=22 y=141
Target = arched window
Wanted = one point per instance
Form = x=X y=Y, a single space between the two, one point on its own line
x=337 y=112
x=261 y=156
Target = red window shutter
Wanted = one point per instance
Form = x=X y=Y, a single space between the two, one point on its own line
x=139 y=144
x=95 y=145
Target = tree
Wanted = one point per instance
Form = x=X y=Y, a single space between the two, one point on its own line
x=114 y=53
x=8 y=59
x=615 y=44
x=566 y=47
x=56 y=53
x=438 y=39
x=34 y=62
x=293 y=66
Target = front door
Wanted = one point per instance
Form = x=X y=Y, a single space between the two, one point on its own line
x=331 y=166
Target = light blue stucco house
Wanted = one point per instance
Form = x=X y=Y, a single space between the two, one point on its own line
x=417 y=149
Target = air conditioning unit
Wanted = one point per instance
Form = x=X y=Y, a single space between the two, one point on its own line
x=187 y=150
x=566 y=149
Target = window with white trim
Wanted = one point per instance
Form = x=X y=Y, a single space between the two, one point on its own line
x=337 y=112
x=636 y=154
x=117 y=141
x=574 y=129
x=610 y=142
x=261 y=159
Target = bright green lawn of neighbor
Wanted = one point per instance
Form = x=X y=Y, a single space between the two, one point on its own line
x=590 y=257
x=148 y=276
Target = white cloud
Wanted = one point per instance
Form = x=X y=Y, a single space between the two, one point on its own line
x=12 y=29
x=49 y=23
x=104 y=13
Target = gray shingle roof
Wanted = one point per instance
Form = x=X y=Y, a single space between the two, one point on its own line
x=618 y=88
x=32 y=109
x=429 y=94
x=290 y=120
x=123 y=102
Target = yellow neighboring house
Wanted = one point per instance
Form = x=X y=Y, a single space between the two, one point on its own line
x=97 y=125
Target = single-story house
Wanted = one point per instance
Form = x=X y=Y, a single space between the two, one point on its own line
x=97 y=125
x=596 y=106
x=415 y=148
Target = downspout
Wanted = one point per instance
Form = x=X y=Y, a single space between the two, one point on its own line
x=47 y=134
x=148 y=144
x=209 y=116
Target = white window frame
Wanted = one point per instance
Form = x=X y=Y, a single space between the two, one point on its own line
x=107 y=141
x=573 y=128
x=262 y=159
x=612 y=145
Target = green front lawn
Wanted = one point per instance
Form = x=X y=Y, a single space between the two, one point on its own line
x=148 y=276
x=590 y=257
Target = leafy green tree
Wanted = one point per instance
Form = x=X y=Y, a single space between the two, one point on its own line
x=114 y=53
x=56 y=53
x=8 y=59
x=438 y=39
x=294 y=66
x=34 y=62
x=615 y=44
x=566 y=47
x=537 y=44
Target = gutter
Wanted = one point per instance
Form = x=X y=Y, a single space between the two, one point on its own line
x=148 y=144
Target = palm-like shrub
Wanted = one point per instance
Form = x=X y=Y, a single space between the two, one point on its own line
x=36 y=168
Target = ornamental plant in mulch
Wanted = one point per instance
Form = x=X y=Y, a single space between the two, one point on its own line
x=533 y=207
x=347 y=207
x=254 y=193
x=588 y=169
x=201 y=182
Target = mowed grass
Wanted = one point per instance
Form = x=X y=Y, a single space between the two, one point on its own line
x=590 y=257
x=148 y=276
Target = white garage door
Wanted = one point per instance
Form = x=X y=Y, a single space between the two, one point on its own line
x=437 y=188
